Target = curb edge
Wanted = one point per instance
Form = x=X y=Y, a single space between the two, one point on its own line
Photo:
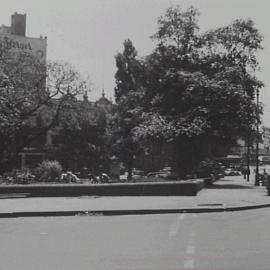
x=130 y=212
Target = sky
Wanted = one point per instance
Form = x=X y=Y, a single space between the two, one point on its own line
x=89 y=33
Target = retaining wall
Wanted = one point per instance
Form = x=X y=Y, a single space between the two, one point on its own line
x=171 y=188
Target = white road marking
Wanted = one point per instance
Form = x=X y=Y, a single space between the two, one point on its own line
x=175 y=226
x=190 y=252
x=189 y=263
x=192 y=237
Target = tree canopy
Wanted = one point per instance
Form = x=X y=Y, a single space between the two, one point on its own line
x=129 y=93
x=32 y=97
x=199 y=87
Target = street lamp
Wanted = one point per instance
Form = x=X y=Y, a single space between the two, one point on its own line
x=257 y=180
x=248 y=156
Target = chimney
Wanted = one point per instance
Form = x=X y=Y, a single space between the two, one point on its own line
x=18 y=24
x=85 y=97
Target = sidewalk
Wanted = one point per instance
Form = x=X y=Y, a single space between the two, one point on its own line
x=229 y=194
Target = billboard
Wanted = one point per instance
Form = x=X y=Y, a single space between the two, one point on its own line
x=34 y=46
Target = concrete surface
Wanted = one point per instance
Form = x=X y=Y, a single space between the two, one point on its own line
x=229 y=194
x=225 y=241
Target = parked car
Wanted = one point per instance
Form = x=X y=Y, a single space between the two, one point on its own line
x=231 y=172
x=165 y=173
x=123 y=177
x=104 y=178
x=136 y=175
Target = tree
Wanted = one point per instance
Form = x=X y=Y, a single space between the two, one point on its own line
x=32 y=96
x=81 y=140
x=201 y=86
x=128 y=96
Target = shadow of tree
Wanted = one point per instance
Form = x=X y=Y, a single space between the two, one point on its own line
x=229 y=186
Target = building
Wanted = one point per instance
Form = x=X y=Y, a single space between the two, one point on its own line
x=16 y=46
x=14 y=41
x=46 y=146
x=13 y=38
x=18 y=24
x=265 y=144
x=240 y=149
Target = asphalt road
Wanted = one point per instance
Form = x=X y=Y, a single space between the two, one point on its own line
x=239 y=240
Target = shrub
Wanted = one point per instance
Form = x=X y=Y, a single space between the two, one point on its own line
x=24 y=177
x=208 y=167
x=49 y=171
x=16 y=176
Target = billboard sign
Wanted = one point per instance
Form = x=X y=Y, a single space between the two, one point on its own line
x=34 y=46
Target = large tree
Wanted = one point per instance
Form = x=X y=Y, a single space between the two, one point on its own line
x=32 y=96
x=129 y=93
x=81 y=139
x=201 y=86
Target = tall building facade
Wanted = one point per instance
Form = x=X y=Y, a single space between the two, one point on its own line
x=19 y=48
x=18 y=24
x=13 y=38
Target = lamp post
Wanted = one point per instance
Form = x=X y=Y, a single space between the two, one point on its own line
x=257 y=180
x=248 y=158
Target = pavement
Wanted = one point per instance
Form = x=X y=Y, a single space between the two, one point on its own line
x=232 y=193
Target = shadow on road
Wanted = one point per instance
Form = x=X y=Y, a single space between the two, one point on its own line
x=231 y=183
x=229 y=186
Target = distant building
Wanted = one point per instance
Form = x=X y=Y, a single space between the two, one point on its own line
x=265 y=144
x=240 y=149
x=13 y=38
x=103 y=102
x=14 y=42
x=45 y=146
x=18 y=24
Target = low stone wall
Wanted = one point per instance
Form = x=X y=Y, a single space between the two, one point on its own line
x=168 y=188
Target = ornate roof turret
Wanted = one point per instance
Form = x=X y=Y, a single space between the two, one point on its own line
x=103 y=101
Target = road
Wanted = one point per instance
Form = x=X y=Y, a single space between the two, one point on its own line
x=234 y=240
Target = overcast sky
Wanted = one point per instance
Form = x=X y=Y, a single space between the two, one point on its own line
x=88 y=33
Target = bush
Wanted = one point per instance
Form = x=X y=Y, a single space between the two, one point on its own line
x=208 y=167
x=49 y=171
x=24 y=176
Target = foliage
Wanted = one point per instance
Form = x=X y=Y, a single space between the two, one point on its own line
x=82 y=138
x=129 y=93
x=200 y=86
x=24 y=176
x=49 y=170
x=32 y=98
x=177 y=29
x=208 y=167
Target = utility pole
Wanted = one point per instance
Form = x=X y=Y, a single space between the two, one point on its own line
x=257 y=180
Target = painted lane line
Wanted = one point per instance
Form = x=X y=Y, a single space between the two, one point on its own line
x=189 y=263
x=190 y=252
x=175 y=226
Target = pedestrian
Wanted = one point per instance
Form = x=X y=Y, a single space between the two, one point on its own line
x=244 y=172
x=248 y=174
x=264 y=176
